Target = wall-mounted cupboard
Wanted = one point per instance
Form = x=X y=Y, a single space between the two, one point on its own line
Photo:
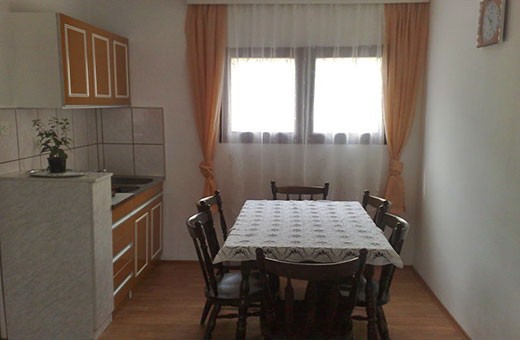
x=54 y=60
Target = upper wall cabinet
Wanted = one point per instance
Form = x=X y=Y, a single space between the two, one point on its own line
x=56 y=61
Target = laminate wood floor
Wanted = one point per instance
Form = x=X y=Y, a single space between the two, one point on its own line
x=168 y=305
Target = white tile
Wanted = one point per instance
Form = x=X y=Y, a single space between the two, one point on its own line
x=71 y=159
x=99 y=125
x=43 y=161
x=92 y=162
x=81 y=158
x=101 y=156
x=67 y=113
x=46 y=114
x=148 y=126
x=119 y=159
x=9 y=142
x=30 y=163
x=79 y=121
x=27 y=138
x=117 y=125
x=149 y=160
x=8 y=167
x=91 y=126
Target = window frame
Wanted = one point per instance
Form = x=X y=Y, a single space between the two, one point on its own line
x=305 y=62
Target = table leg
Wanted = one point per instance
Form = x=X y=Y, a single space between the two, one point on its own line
x=245 y=269
x=370 y=303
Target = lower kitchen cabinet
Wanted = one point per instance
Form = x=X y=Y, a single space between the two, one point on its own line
x=137 y=240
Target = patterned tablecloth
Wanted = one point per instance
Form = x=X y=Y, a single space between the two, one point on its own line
x=320 y=231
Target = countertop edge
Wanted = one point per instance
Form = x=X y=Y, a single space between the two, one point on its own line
x=87 y=177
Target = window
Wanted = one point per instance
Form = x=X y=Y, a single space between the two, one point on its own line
x=303 y=95
x=347 y=95
x=258 y=103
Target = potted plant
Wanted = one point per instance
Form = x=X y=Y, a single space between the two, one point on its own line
x=53 y=139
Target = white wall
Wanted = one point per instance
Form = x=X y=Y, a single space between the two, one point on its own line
x=158 y=78
x=468 y=241
x=158 y=75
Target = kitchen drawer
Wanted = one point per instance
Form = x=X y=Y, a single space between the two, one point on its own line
x=125 y=256
x=123 y=282
x=121 y=276
x=122 y=235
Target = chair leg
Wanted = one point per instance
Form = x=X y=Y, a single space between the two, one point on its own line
x=382 y=326
x=212 y=322
x=205 y=312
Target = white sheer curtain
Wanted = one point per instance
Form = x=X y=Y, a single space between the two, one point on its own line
x=302 y=100
x=304 y=74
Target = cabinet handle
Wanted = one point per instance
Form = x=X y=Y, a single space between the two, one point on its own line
x=135 y=211
x=128 y=278
x=122 y=252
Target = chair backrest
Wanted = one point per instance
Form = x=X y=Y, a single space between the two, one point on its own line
x=299 y=191
x=400 y=229
x=332 y=274
x=201 y=229
x=214 y=201
x=381 y=206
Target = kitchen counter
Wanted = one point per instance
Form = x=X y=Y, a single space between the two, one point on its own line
x=86 y=177
x=117 y=197
x=56 y=255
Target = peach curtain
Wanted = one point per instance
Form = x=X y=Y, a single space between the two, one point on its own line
x=404 y=62
x=206 y=36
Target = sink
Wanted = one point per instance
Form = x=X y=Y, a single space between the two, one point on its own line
x=131 y=180
x=125 y=188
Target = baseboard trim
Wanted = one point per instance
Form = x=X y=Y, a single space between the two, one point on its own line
x=439 y=304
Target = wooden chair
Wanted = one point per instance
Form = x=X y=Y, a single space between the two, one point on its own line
x=381 y=287
x=287 y=319
x=299 y=191
x=221 y=289
x=206 y=204
x=214 y=201
x=379 y=204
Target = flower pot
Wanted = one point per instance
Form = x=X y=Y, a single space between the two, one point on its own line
x=57 y=165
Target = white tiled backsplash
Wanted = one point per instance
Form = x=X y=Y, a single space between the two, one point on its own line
x=125 y=141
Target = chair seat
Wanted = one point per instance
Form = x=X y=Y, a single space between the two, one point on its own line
x=229 y=286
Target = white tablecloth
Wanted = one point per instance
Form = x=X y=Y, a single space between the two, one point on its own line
x=320 y=231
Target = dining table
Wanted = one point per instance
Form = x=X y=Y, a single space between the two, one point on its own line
x=299 y=231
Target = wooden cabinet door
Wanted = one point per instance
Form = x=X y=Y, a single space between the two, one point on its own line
x=121 y=74
x=141 y=229
x=75 y=45
x=156 y=230
x=101 y=62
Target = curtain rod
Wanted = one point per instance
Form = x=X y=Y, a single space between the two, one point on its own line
x=319 y=2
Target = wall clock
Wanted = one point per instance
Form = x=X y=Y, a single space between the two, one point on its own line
x=491 y=22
